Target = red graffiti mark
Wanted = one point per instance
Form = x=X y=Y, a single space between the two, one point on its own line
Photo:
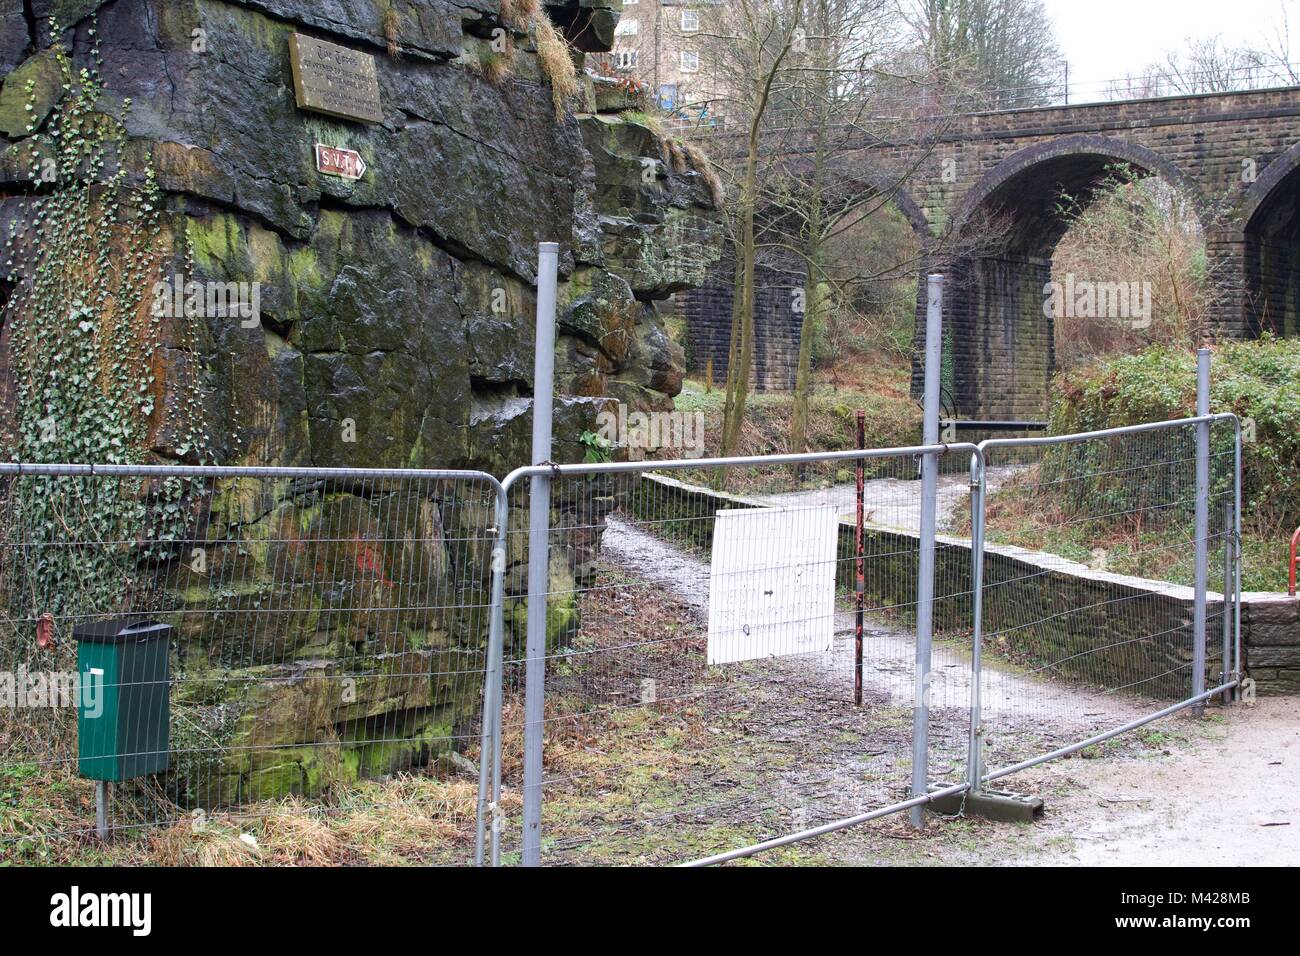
x=370 y=561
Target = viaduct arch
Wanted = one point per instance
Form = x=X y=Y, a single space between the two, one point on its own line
x=1235 y=156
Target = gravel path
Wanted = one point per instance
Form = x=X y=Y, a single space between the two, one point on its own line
x=1009 y=699
x=894 y=502
x=1221 y=793
x=1218 y=791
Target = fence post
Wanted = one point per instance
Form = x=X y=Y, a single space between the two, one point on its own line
x=859 y=565
x=101 y=810
x=539 y=521
x=1202 y=526
x=925 y=566
x=1229 y=596
x=974 y=751
x=489 y=776
x=1236 y=567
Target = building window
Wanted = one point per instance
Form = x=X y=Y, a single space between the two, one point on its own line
x=626 y=28
x=690 y=61
x=625 y=59
x=690 y=21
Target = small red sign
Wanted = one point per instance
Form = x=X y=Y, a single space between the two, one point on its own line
x=336 y=161
x=45 y=631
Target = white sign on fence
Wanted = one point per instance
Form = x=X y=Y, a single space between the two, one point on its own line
x=772 y=583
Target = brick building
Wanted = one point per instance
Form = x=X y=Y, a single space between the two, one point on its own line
x=666 y=44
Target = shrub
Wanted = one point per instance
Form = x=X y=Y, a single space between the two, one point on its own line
x=1134 y=231
x=1257 y=380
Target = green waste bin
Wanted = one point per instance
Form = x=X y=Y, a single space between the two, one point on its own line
x=123 y=708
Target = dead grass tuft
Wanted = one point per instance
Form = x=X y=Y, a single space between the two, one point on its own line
x=676 y=157
x=297 y=834
x=701 y=164
x=392 y=26
x=519 y=11
x=185 y=844
x=407 y=819
x=556 y=64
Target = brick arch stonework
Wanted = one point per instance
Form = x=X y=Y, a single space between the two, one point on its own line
x=777 y=321
x=1263 y=236
x=1000 y=344
x=1236 y=154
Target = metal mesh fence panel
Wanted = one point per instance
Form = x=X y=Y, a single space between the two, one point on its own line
x=299 y=656
x=322 y=674
x=701 y=661
x=1088 y=619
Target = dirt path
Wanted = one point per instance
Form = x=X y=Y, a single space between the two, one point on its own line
x=893 y=502
x=1183 y=791
x=1222 y=791
x=1009 y=698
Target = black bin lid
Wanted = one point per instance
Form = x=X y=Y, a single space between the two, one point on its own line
x=120 y=630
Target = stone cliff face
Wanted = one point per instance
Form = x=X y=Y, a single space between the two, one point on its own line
x=396 y=324
x=402 y=301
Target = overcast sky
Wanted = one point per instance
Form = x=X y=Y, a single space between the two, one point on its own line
x=1104 y=39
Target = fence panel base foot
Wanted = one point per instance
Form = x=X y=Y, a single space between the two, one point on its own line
x=991 y=805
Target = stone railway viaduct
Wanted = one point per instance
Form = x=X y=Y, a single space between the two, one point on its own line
x=1235 y=156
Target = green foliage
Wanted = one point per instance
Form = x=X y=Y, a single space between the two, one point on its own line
x=598 y=448
x=822 y=350
x=85 y=345
x=1259 y=381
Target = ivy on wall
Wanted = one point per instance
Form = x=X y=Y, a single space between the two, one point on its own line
x=87 y=355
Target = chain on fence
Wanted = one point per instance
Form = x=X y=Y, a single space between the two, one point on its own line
x=1080 y=636
x=322 y=657
x=701 y=655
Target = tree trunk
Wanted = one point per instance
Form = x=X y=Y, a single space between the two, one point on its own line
x=813 y=235
x=807 y=334
x=743 y=355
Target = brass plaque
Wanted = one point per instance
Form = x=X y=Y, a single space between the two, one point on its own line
x=334 y=80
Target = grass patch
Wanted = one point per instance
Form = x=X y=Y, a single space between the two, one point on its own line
x=893 y=419
x=408 y=819
x=1025 y=514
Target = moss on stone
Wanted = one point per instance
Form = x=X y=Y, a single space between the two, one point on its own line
x=41 y=72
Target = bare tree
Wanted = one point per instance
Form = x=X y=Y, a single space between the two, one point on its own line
x=812 y=85
x=1276 y=56
x=823 y=188
x=992 y=53
x=1211 y=65
x=1148 y=231
x=754 y=38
